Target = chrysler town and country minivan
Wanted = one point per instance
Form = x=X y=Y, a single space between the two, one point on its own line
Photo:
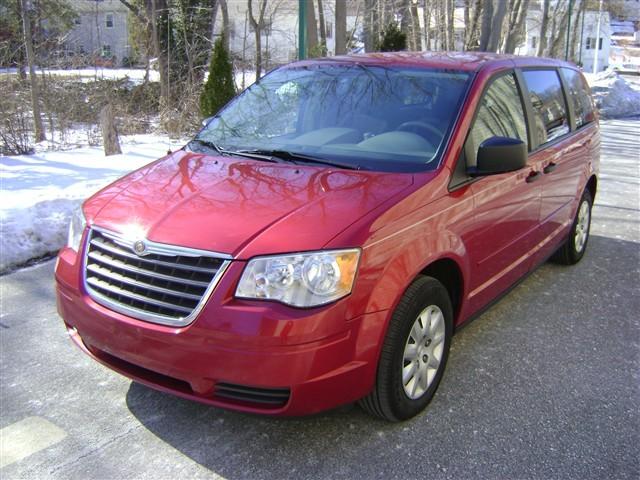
x=322 y=237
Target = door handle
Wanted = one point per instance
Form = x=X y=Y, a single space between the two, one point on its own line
x=533 y=176
x=550 y=168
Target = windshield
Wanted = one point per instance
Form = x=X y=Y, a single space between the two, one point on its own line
x=369 y=117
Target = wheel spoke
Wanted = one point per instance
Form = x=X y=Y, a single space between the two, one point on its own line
x=414 y=386
x=436 y=323
x=425 y=319
x=408 y=372
x=411 y=351
x=416 y=331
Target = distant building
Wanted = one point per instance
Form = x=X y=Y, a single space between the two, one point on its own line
x=101 y=31
x=588 y=46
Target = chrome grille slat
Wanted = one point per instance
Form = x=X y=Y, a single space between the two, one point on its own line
x=93 y=268
x=122 y=265
x=119 y=291
x=167 y=284
x=122 y=252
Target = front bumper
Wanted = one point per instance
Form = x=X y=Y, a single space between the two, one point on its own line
x=255 y=357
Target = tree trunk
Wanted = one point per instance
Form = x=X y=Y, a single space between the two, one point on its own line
x=449 y=13
x=516 y=26
x=35 y=90
x=341 y=27
x=224 y=9
x=542 y=44
x=485 y=26
x=576 y=29
x=323 y=28
x=368 y=16
x=109 y=132
x=559 y=32
x=499 y=12
x=312 y=29
x=258 y=25
x=426 y=19
x=471 y=34
x=159 y=51
x=415 y=27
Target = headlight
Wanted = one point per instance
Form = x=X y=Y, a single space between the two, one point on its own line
x=76 y=227
x=301 y=279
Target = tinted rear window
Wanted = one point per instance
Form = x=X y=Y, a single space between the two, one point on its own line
x=549 y=108
x=579 y=96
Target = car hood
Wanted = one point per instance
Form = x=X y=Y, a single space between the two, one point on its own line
x=239 y=206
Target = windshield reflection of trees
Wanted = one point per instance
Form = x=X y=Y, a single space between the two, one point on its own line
x=288 y=103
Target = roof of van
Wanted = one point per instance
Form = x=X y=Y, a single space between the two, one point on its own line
x=467 y=61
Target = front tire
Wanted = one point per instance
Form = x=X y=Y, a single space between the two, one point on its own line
x=572 y=250
x=414 y=353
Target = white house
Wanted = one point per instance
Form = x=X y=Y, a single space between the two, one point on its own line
x=101 y=30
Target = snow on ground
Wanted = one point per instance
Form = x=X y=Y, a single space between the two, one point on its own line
x=89 y=74
x=135 y=75
x=38 y=192
x=615 y=95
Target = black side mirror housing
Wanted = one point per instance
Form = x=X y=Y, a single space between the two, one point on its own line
x=499 y=155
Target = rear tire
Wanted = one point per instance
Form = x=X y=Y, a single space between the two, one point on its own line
x=572 y=250
x=414 y=353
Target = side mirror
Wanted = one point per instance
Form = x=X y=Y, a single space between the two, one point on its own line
x=499 y=155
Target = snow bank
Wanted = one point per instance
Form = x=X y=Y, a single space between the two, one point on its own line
x=39 y=192
x=615 y=95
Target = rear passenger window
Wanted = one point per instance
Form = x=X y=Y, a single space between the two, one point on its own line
x=549 y=108
x=500 y=115
x=579 y=96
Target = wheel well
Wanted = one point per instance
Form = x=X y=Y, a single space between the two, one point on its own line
x=447 y=272
x=592 y=186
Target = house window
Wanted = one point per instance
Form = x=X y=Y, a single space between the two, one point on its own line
x=591 y=43
x=109 y=20
x=106 y=51
x=534 y=42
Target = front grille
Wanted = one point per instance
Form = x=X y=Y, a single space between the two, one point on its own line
x=273 y=397
x=167 y=284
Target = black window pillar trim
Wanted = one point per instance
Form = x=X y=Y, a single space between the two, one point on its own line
x=567 y=99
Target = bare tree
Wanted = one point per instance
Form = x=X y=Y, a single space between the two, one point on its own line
x=472 y=40
x=449 y=8
x=341 y=27
x=497 y=21
x=542 y=44
x=224 y=9
x=109 y=133
x=515 y=28
x=35 y=91
x=415 y=27
x=258 y=25
x=312 y=28
x=323 y=28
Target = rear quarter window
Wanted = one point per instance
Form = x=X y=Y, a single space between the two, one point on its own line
x=579 y=96
x=549 y=108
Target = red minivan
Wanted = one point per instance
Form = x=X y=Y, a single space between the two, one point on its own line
x=322 y=237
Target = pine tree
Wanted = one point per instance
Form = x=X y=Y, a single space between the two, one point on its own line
x=219 y=88
x=393 y=39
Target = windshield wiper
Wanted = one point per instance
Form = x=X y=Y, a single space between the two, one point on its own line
x=206 y=143
x=222 y=151
x=292 y=157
